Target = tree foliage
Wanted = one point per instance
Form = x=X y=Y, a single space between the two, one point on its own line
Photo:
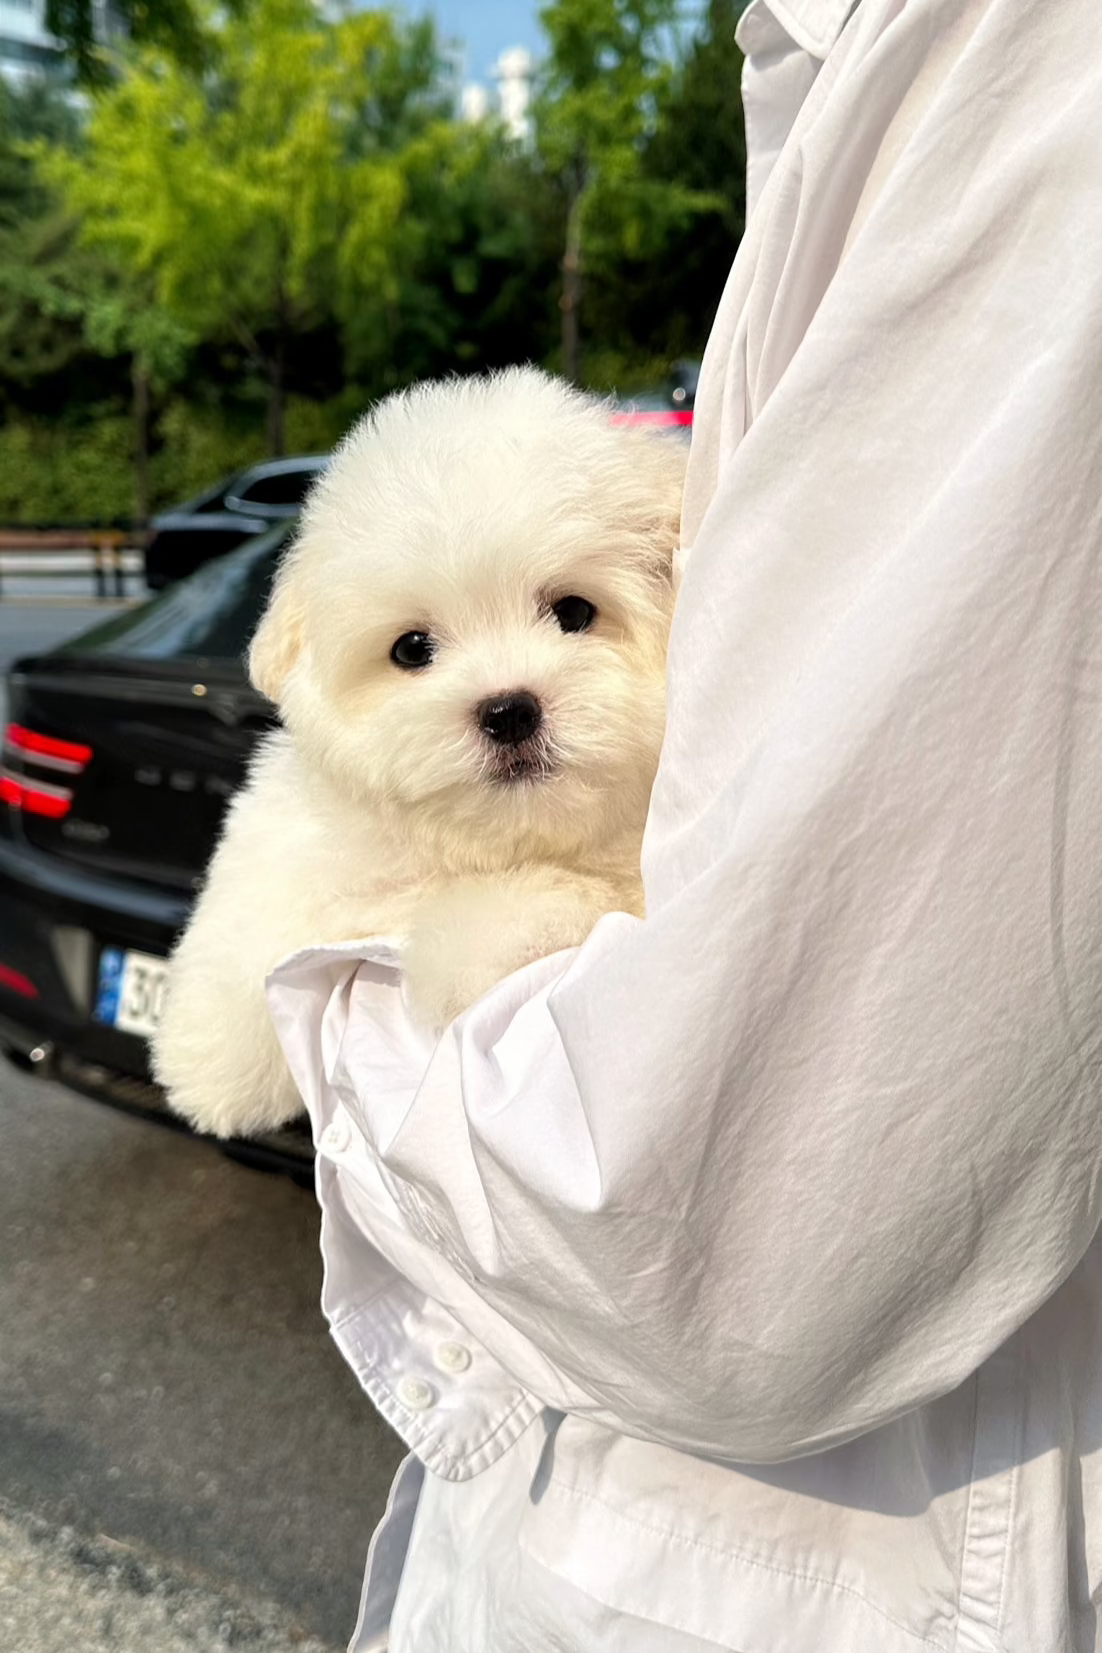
x=176 y=26
x=253 y=196
x=44 y=356
x=609 y=74
x=272 y=204
x=668 y=298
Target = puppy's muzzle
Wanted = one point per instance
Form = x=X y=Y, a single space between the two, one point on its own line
x=516 y=738
x=510 y=719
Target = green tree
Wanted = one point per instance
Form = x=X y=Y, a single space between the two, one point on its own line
x=477 y=258
x=660 y=306
x=119 y=317
x=267 y=191
x=699 y=139
x=41 y=352
x=90 y=35
x=608 y=71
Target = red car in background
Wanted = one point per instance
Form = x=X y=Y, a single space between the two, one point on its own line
x=669 y=407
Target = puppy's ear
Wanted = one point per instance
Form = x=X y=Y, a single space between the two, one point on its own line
x=665 y=543
x=663 y=463
x=662 y=533
x=278 y=640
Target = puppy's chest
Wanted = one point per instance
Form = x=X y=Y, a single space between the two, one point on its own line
x=369 y=905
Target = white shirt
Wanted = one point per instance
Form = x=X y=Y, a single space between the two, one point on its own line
x=734 y=1277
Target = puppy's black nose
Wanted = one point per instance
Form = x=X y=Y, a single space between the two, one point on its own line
x=510 y=718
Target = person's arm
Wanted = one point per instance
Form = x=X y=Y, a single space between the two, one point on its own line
x=796 y=1152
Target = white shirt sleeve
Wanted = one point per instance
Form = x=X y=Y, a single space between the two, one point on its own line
x=796 y=1152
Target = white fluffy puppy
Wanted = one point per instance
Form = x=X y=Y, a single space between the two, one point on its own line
x=467 y=646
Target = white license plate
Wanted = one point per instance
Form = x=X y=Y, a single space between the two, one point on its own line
x=130 y=993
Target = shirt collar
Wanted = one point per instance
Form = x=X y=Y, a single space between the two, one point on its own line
x=813 y=24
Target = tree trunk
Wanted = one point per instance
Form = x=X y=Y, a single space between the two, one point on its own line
x=277 y=398
x=570 y=303
x=139 y=403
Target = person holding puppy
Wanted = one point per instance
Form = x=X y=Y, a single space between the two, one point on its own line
x=733 y=1276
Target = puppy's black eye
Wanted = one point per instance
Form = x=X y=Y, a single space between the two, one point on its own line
x=574 y=613
x=413 y=650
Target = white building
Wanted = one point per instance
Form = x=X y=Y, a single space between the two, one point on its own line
x=513 y=73
x=474 y=102
x=27 y=49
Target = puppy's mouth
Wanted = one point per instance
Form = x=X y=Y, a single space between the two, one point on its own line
x=526 y=764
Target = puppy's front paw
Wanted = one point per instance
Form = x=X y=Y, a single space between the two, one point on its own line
x=479 y=931
x=220 y=1063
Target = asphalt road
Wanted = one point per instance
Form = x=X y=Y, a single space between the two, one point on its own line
x=178 y=1435
x=166 y=1379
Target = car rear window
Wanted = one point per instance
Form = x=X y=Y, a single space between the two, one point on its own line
x=209 y=616
x=281 y=488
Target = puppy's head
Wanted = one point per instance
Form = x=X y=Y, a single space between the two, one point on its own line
x=471 y=627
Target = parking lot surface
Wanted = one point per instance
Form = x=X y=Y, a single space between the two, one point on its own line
x=168 y=1389
x=59 y=1590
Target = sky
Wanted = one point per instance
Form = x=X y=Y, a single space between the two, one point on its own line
x=485 y=27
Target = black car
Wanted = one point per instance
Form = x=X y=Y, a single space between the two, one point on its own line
x=235 y=509
x=120 y=753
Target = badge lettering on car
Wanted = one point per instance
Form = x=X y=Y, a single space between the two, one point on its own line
x=86 y=832
x=185 y=780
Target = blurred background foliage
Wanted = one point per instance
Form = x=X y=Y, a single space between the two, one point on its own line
x=241 y=223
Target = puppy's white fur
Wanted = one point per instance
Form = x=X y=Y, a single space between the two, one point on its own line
x=464 y=510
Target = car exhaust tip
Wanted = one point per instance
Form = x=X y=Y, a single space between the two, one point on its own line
x=29 y=1058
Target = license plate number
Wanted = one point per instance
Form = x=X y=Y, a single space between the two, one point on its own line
x=131 y=990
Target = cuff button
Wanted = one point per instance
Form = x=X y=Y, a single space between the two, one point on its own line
x=336 y=1137
x=416 y=1394
x=453 y=1357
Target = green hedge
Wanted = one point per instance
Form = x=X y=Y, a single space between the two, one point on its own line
x=51 y=473
x=54 y=471
x=58 y=471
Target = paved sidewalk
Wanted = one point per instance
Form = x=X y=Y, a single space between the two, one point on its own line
x=60 y=574
x=61 y=1593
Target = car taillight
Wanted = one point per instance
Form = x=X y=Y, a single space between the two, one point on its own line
x=17 y=982
x=69 y=755
x=654 y=416
x=31 y=751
